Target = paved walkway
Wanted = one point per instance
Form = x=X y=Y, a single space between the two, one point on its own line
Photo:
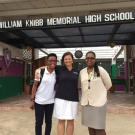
x=17 y=119
x=122 y=103
x=22 y=123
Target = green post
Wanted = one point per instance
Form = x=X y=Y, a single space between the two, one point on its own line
x=113 y=71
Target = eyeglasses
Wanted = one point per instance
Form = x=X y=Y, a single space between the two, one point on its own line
x=90 y=58
x=89 y=84
x=52 y=61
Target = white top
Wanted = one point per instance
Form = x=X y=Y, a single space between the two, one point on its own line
x=97 y=94
x=45 y=92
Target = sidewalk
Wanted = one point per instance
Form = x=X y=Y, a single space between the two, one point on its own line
x=123 y=103
x=22 y=123
x=17 y=119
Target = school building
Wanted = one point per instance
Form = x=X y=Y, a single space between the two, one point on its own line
x=31 y=29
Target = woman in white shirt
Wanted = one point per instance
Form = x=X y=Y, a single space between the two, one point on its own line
x=95 y=82
x=42 y=98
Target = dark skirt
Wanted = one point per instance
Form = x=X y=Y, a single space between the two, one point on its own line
x=94 y=117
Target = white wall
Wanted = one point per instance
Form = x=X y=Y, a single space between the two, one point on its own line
x=15 y=52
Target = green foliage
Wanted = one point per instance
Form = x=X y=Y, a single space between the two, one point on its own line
x=28 y=47
x=111 y=43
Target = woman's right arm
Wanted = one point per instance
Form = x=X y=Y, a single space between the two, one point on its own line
x=34 y=89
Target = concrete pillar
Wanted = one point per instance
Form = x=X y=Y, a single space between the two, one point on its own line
x=126 y=69
x=125 y=53
x=36 y=54
x=125 y=61
x=59 y=60
x=133 y=67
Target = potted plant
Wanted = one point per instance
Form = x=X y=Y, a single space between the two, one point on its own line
x=111 y=43
x=27 y=85
x=28 y=47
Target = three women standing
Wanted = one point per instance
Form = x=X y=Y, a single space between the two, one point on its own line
x=95 y=82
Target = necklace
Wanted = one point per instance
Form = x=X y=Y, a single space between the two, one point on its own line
x=90 y=74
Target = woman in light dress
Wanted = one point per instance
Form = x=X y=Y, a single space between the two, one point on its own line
x=94 y=81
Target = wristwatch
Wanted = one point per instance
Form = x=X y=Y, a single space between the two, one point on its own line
x=32 y=99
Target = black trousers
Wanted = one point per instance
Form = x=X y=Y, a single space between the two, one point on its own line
x=40 y=111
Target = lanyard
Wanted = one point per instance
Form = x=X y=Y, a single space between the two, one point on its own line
x=89 y=79
x=90 y=75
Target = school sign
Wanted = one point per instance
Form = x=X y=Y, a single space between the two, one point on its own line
x=114 y=17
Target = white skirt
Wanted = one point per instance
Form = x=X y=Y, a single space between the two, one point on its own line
x=65 y=110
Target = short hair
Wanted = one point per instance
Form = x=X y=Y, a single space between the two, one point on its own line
x=65 y=54
x=51 y=55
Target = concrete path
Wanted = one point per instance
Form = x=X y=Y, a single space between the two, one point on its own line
x=17 y=119
x=22 y=123
x=120 y=102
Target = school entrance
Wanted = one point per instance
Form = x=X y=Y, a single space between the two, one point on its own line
x=110 y=34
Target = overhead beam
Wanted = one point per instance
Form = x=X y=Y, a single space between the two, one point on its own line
x=96 y=51
x=94 y=34
x=132 y=42
x=80 y=30
x=80 y=42
x=51 y=35
x=4 y=40
x=43 y=51
x=28 y=41
x=110 y=56
x=107 y=49
x=92 y=7
x=118 y=52
x=116 y=27
x=15 y=41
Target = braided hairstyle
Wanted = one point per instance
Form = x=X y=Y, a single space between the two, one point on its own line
x=96 y=69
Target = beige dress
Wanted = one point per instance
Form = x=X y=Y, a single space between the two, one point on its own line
x=94 y=112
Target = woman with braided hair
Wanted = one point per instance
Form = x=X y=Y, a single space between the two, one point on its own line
x=94 y=81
